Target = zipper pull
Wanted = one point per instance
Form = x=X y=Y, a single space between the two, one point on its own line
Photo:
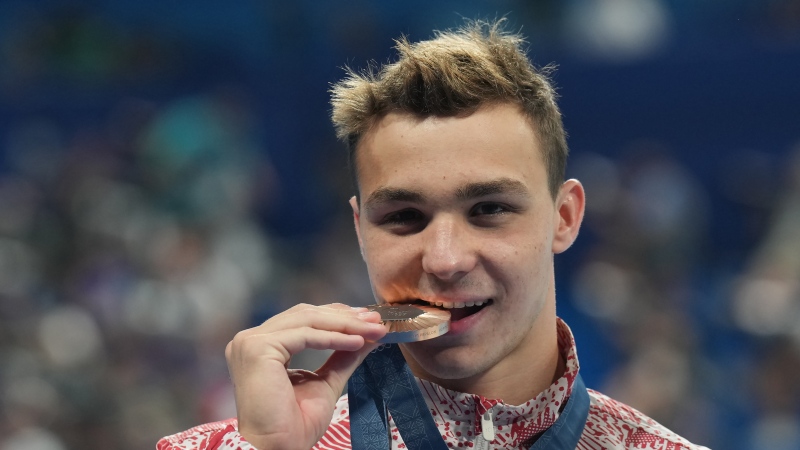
x=487 y=426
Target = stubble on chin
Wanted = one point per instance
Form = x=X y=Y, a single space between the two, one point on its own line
x=446 y=363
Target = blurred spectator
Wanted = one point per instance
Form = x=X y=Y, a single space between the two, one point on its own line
x=767 y=297
x=650 y=221
x=132 y=264
x=766 y=303
x=618 y=30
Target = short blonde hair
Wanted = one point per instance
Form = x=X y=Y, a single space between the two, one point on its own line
x=454 y=73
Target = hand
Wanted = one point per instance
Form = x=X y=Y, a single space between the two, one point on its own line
x=279 y=408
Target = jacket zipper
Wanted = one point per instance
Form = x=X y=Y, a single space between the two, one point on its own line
x=487 y=431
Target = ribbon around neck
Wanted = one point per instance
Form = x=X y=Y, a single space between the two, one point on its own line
x=384 y=385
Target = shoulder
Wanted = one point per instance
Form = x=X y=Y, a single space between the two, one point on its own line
x=338 y=434
x=224 y=435
x=221 y=435
x=615 y=425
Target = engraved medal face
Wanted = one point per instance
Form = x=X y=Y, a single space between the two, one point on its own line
x=397 y=312
x=412 y=323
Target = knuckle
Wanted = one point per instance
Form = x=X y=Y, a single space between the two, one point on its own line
x=307 y=330
x=229 y=350
x=300 y=307
x=238 y=339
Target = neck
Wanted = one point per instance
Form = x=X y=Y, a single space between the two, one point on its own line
x=514 y=387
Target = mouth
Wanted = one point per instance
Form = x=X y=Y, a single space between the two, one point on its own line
x=458 y=310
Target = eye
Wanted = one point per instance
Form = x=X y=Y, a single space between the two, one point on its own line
x=403 y=217
x=489 y=209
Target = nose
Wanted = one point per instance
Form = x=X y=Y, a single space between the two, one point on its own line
x=448 y=252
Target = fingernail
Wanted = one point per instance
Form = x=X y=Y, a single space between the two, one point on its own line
x=365 y=314
x=359 y=309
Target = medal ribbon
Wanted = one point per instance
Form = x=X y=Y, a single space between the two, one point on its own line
x=384 y=382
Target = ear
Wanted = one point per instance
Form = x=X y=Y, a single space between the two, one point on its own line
x=570 y=204
x=356 y=222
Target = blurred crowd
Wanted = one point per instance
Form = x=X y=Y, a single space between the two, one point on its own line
x=707 y=345
x=158 y=193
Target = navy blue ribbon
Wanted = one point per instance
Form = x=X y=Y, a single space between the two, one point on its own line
x=383 y=384
x=384 y=381
x=566 y=432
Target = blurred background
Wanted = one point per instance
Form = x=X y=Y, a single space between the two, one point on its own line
x=169 y=176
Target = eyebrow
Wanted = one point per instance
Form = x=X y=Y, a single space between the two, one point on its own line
x=388 y=195
x=499 y=186
x=467 y=192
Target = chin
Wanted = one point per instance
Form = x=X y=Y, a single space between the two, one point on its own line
x=445 y=363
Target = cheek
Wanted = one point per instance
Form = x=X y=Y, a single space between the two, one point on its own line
x=527 y=250
x=526 y=265
x=387 y=262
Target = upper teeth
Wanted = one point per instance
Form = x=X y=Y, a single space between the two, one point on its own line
x=459 y=304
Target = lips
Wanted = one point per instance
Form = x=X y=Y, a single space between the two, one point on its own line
x=458 y=309
x=459 y=313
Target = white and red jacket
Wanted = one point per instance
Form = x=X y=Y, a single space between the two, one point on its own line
x=461 y=417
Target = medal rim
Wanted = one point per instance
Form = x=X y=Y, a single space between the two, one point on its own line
x=403 y=337
x=434 y=331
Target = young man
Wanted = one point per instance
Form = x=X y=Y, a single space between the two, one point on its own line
x=458 y=154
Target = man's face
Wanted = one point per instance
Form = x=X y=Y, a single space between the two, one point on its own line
x=456 y=211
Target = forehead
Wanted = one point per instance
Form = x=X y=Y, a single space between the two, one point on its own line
x=494 y=142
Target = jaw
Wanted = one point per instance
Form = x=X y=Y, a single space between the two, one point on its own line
x=445 y=363
x=464 y=352
x=505 y=355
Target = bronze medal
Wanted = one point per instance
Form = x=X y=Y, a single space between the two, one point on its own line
x=412 y=323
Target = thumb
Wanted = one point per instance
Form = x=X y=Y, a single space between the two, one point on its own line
x=341 y=365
